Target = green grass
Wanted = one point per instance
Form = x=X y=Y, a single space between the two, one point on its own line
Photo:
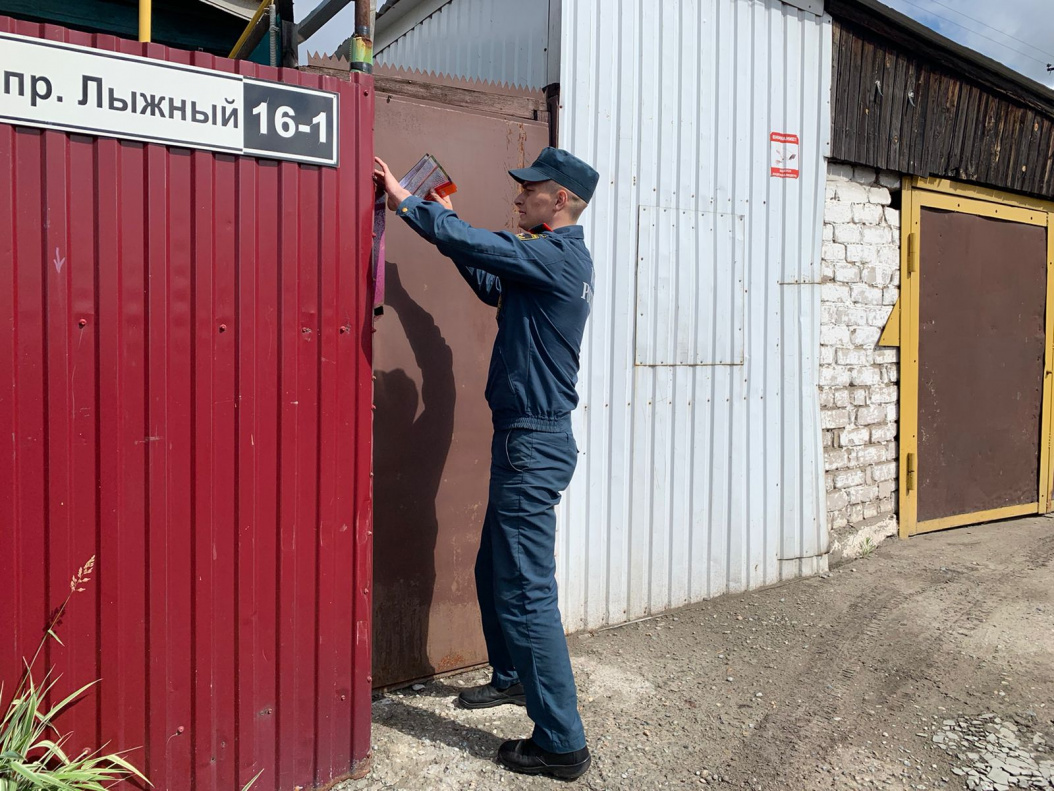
x=32 y=750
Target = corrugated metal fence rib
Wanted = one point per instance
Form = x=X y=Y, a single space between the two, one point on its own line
x=188 y=340
x=702 y=466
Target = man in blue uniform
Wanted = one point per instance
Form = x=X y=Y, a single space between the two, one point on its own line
x=541 y=282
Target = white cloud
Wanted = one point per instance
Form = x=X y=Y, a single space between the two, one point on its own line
x=1017 y=33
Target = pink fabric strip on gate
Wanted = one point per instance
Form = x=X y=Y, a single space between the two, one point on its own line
x=379 y=208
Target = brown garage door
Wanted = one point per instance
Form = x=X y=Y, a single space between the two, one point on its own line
x=431 y=353
x=981 y=344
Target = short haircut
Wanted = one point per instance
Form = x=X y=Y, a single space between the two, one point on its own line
x=575 y=205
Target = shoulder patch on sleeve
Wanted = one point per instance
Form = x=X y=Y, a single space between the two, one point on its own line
x=526 y=237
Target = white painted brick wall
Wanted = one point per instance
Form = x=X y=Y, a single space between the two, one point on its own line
x=858 y=380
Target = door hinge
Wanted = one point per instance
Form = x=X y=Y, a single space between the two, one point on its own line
x=910 y=472
x=913 y=251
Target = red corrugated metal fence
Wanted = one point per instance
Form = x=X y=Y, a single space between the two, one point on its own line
x=185 y=388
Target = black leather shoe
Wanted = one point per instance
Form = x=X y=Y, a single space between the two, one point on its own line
x=526 y=757
x=487 y=695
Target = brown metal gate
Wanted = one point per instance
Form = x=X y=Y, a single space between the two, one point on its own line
x=975 y=423
x=432 y=351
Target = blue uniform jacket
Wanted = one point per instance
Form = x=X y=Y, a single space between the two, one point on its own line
x=542 y=285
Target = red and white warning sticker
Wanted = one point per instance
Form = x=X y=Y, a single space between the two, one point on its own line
x=783 y=150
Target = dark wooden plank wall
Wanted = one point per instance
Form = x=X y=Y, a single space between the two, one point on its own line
x=896 y=110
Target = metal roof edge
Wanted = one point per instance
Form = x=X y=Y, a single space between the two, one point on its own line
x=464 y=83
x=884 y=21
x=243 y=9
x=387 y=8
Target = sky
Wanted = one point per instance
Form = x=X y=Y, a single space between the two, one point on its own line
x=1017 y=33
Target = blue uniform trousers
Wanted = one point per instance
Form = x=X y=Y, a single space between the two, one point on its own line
x=516 y=580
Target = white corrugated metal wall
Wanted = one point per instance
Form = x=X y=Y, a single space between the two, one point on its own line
x=493 y=40
x=702 y=469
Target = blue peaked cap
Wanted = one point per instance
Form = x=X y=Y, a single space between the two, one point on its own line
x=564 y=168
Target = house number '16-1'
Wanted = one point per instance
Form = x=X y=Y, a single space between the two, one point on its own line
x=285 y=122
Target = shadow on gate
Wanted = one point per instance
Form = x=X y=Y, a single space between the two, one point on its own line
x=411 y=451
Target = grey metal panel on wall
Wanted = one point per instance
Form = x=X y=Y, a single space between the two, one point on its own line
x=696 y=480
x=812 y=6
x=689 y=287
x=503 y=41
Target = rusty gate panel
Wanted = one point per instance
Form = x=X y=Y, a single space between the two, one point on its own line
x=981 y=355
x=187 y=341
x=432 y=425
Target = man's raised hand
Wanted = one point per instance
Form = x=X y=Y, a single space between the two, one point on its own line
x=382 y=175
x=445 y=202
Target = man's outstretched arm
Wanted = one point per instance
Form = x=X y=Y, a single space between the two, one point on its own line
x=500 y=254
x=529 y=261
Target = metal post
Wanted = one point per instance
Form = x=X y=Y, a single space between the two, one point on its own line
x=362 y=40
x=255 y=31
x=273 y=14
x=144 y=19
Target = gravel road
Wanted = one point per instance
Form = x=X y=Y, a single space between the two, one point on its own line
x=928 y=664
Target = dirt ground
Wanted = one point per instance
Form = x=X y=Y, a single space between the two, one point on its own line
x=928 y=664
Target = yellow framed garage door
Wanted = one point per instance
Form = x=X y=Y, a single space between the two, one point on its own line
x=976 y=328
